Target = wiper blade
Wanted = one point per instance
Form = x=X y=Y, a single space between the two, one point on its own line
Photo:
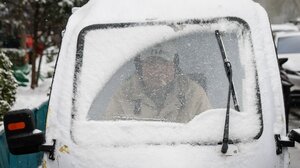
x=231 y=91
x=228 y=69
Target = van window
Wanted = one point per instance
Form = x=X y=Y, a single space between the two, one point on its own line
x=169 y=72
x=172 y=80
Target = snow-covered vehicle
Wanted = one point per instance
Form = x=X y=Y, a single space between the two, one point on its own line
x=287 y=27
x=98 y=115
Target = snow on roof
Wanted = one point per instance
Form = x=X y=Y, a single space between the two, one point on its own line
x=116 y=11
x=284 y=34
x=287 y=34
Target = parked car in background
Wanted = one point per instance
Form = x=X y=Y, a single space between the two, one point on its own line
x=287 y=27
x=288 y=46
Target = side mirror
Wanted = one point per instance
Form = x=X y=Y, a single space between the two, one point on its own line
x=21 y=135
x=282 y=61
x=294 y=135
x=283 y=141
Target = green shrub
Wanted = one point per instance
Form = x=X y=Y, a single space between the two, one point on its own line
x=18 y=57
x=8 y=85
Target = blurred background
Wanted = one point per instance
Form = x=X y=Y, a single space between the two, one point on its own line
x=281 y=11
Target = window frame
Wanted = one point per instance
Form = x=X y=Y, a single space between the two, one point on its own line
x=85 y=30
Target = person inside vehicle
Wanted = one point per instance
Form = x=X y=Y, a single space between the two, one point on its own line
x=157 y=91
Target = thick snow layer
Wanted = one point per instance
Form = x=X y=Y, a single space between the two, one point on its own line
x=206 y=128
x=29 y=98
x=120 y=11
x=288 y=27
x=171 y=156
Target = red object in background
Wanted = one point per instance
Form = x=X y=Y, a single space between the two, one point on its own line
x=40 y=48
x=29 y=41
x=29 y=45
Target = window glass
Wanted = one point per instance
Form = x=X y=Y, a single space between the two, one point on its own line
x=172 y=80
x=288 y=45
x=162 y=72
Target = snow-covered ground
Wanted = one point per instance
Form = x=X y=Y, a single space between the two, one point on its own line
x=29 y=98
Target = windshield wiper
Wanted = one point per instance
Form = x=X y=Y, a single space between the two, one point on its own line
x=231 y=91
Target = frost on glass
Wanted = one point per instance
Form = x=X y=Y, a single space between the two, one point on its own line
x=164 y=81
x=170 y=80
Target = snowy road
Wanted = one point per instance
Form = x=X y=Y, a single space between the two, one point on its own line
x=295 y=152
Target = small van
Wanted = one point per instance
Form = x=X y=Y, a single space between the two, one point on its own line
x=162 y=83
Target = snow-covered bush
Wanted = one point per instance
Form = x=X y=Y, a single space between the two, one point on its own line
x=16 y=56
x=8 y=85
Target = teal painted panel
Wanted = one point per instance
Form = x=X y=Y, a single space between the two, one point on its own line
x=26 y=161
x=8 y=160
x=4 y=155
x=41 y=116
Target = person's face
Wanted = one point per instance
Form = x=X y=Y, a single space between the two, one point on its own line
x=157 y=72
